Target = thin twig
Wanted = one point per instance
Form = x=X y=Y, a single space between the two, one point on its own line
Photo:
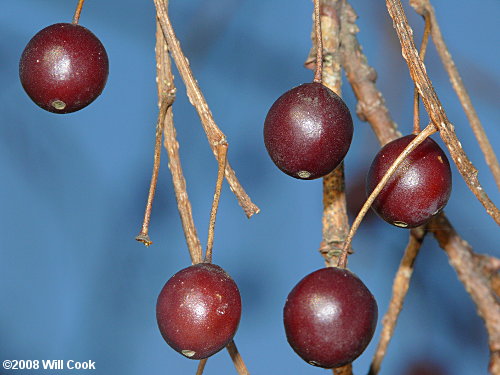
x=429 y=129
x=237 y=359
x=76 y=16
x=424 y=8
x=464 y=261
x=435 y=109
x=143 y=235
x=222 y=159
x=362 y=77
x=318 y=74
x=400 y=288
x=214 y=134
x=416 y=96
x=165 y=83
x=201 y=366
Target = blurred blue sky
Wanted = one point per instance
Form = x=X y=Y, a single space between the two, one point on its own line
x=75 y=285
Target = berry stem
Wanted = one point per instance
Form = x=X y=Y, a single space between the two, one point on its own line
x=237 y=359
x=76 y=16
x=143 y=235
x=400 y=287
x=416 y=96
x=222 y=159
x=344 y=370
x=166 y=88
x=429 y=129
x=318 y=74
x=201 y=366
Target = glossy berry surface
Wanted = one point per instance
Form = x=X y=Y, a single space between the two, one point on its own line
x=308 y=131
x=419 y=188
x=63 y=68
x=198 y=310
x=330 y=317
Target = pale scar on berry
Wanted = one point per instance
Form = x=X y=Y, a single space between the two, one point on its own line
x=58 y=104
x=304 y=174
x=400 y=224
x=188 y=353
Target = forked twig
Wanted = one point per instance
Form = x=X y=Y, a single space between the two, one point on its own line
x=434 y=108
x=214 y=134
x=240 y=366
x=400 y=288
x=165 y=83
x=425 y=9
x=429 y=129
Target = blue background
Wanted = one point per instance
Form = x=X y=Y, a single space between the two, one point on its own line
x=75 y=285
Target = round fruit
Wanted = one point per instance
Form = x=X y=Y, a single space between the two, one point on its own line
x=198 y=310
x=330 y=317
x=419 y=188
x=308 y=131
x=64 y=68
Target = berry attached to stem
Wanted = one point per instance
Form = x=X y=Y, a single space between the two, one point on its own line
x=198 y=310
x=418 y=189
x=308 y=131
x=330 y=317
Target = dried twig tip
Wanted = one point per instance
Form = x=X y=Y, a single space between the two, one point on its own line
x=144 y=238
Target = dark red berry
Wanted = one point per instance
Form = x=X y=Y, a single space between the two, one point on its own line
x=64 y=68
x=330 y=317
x=198 y=310
x=308 y=131
x=419 y=188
